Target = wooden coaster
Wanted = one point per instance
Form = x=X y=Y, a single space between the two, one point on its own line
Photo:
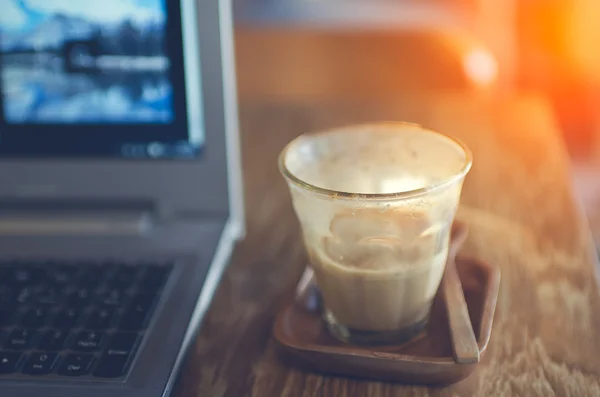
x=304 y=341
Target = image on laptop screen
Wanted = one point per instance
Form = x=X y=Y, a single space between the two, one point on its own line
x=110 y=71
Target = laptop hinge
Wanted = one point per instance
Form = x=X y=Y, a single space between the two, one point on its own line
x=57 y=217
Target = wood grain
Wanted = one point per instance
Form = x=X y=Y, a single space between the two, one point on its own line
x=522 y=216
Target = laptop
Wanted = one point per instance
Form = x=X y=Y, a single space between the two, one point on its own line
x=120 y=190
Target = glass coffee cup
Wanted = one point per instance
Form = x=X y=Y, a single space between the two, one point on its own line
x=376 y=204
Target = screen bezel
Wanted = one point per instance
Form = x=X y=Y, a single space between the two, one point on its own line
x=110 y=139
x=199 y=185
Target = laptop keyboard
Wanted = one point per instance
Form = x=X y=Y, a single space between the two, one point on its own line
x=68 y=320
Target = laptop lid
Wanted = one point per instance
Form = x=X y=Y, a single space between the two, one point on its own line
x=119 y=100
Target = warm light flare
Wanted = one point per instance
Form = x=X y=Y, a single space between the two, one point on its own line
x=480 y=66
x=582 y=37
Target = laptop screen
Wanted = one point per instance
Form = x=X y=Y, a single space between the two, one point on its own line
x=98 y=78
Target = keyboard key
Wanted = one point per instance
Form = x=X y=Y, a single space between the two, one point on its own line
x=8 y=295
x=40 y=363
x=62 y=274
x=124 y=276
x=100 y=318
x=66 y=318
x=142 y=302
x=88 y=341
x=50 y=295
x=111 y=366
x=7 y=314
x=21 y=276
x=76 y=364
x=112 y=297
x=9 y=362
x=121 y=344
x=19 y=339
x=79 y=297
x=24 y=274
x=53 y=340
x=35 y=318
x=92 y=276
x=24 y=295
x=135 y=317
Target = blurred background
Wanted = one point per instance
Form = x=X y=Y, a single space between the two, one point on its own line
x=322 y=50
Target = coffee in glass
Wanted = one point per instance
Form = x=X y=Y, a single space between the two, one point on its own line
x=376 y=204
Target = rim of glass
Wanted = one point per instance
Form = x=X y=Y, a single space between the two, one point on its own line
x=468 y=162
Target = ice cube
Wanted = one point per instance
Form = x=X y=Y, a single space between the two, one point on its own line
x=378 y=253
x=358 y=224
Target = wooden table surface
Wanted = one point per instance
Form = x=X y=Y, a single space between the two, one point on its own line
x=523 y=217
